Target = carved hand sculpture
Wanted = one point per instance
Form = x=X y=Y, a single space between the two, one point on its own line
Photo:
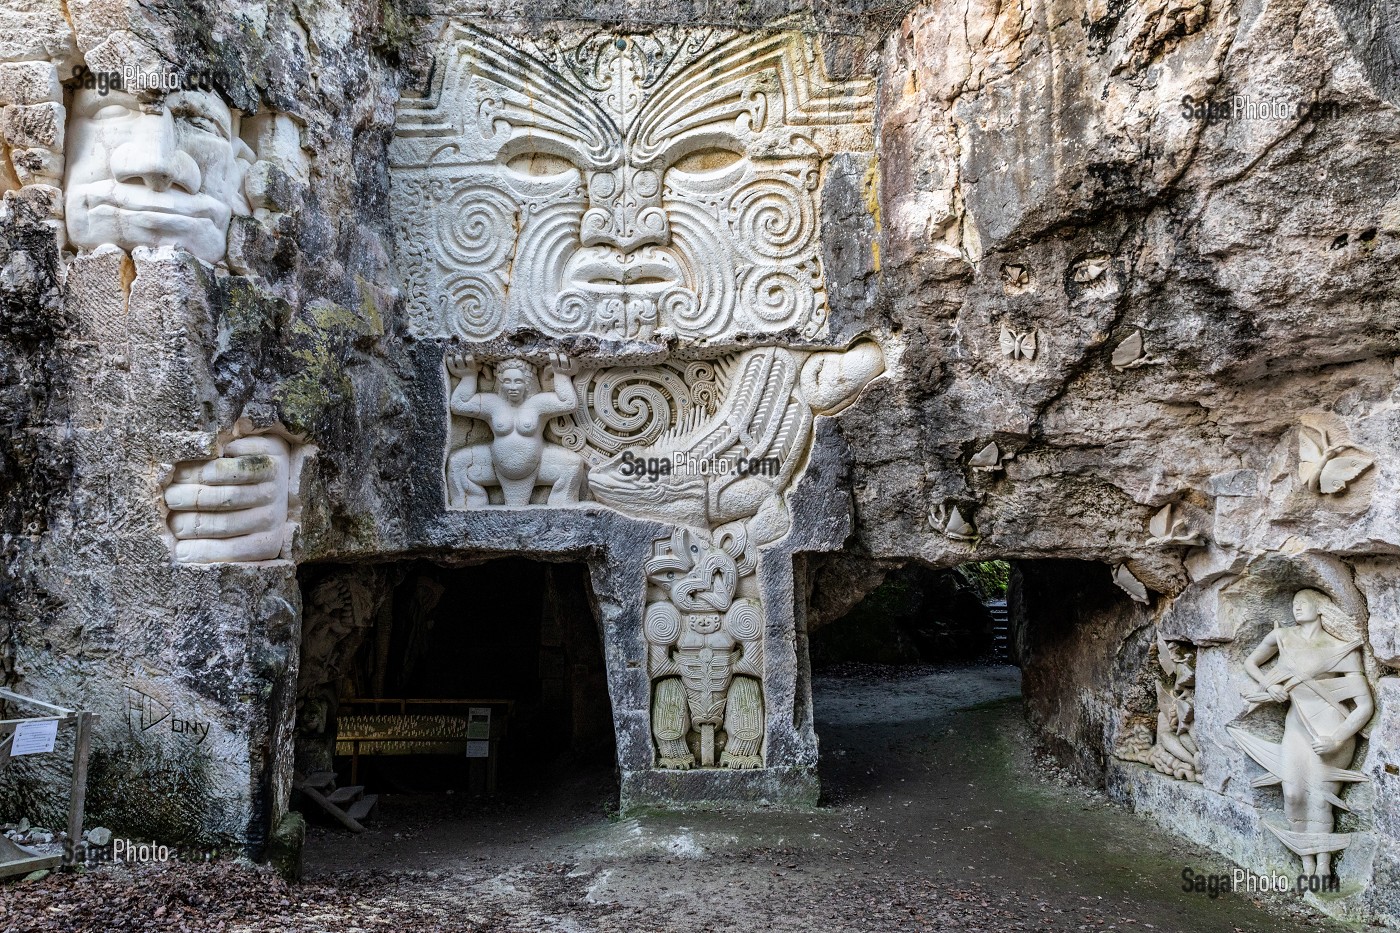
x=234 y=507
x=168 y=173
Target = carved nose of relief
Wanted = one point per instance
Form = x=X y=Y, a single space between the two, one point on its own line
x=624 y=213
x=625 y=227
x=152 y=158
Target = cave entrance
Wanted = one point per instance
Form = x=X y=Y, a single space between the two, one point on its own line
x=921 y=661
x=919 y=615
x=430 y=690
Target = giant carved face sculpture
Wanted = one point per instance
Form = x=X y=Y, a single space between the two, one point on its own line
x=168 y=173
x=634 y=183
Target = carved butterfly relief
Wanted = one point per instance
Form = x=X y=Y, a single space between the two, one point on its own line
x=1325 y=467
x=1129 y=583
x=948 y=521
x=1017 y=345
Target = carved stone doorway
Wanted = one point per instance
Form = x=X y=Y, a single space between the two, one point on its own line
x=418 y=649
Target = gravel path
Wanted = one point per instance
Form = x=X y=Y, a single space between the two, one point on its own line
x=938 y=817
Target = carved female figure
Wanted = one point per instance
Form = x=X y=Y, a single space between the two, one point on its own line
x=1321 y=678
x=518 y=458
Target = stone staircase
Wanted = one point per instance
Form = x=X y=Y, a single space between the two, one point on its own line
x=1001 y=631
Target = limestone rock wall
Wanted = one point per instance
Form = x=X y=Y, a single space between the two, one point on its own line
x=1112 y=329
x=1212 y=304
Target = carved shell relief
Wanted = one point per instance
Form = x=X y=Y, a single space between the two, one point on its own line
x=632 y=186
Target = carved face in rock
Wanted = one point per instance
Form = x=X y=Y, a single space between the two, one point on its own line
x=1307 y=606
x=168 y=173
x=516 y=381
x=627 y=184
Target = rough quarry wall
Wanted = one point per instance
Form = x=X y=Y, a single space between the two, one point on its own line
x=1179 y=333
x=1118 y=322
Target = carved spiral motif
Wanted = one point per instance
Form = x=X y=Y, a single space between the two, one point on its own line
x=680 y=308
x=704 y=389
x=473 y=307
x=636 y=405
x=565 y=432
x=478 y=227
x=744 y=619
x=774 y=217
x=629 y=407
x=662 y=624
x=779 y=296
x=572 y=311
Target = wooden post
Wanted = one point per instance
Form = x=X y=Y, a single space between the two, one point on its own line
x=77 y=795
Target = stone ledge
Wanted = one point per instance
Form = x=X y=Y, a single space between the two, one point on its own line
x=720 y=789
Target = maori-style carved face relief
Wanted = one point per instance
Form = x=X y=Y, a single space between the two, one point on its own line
x=154 y=174
x=627 y=185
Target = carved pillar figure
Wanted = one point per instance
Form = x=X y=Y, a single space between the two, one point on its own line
x=705 y=650
x=1322 y=680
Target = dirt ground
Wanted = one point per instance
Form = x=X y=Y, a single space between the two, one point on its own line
x=937 y=816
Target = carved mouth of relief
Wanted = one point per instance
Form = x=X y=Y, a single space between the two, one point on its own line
x=608 y=272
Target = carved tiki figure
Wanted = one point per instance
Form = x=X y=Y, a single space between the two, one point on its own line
x=705 y=650
x=1322 y=679
x=630 y=184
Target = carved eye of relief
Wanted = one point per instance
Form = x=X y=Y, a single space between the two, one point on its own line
x=540 y=165
x=706 y=163
x=111 y=112
x=200 y=121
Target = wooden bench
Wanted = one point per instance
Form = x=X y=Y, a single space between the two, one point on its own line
x=459 y=728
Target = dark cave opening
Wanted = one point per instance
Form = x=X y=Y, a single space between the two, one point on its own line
x=483 y=679
x=918 y=615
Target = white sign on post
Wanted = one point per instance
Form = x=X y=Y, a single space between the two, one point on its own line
x=479 y=732
x=34 y=737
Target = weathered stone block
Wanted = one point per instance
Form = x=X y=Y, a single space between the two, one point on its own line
x=36 y=30
x=24 y=126
x=29 y=83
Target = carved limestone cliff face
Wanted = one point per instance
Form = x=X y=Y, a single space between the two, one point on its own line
x=624 y=186
x=1151 y=347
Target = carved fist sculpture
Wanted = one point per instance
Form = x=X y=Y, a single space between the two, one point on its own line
x=462 y=365
x=163 y=174
x=234 y=507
